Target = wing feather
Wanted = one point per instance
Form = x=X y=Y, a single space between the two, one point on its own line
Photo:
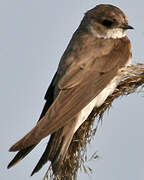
x=79 y=85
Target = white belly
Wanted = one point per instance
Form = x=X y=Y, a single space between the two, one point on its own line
x=97 y=101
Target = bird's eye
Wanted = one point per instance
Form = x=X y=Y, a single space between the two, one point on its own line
x=107 y=23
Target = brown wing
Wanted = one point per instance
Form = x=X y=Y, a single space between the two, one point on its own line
x=78 y=89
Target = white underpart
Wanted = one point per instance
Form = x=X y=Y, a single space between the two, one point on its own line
x=97 y=101
x=111 y=33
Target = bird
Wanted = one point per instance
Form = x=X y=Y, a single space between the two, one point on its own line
x=89 y=71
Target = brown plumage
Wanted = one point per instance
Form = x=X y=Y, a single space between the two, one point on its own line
x=87 y=67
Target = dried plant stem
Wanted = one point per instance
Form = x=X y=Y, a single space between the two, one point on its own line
x=76 y=156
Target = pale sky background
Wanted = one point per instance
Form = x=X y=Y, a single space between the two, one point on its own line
x=33 y=37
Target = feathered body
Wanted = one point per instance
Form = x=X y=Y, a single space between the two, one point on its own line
x=88 y=73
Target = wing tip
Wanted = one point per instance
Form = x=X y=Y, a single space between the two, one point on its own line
x=32 y=173
x=13 y=148
x=9 y=166
x=12 y=163
x=35 y=170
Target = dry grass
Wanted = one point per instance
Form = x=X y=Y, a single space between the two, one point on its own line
x=77 y=156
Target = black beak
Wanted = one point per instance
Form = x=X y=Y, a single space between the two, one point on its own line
x=126 y=26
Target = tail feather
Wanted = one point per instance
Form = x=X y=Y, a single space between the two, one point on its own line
x=56 y=149
x=24 y=152
x=20 y=155
x=46 y=155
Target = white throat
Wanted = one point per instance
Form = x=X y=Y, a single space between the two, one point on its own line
x=111 y=33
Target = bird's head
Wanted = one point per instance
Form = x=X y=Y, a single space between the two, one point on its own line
x=106 y=21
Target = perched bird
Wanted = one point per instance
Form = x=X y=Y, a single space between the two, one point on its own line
x=89 y=71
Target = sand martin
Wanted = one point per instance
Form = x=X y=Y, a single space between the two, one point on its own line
x=89 y=71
